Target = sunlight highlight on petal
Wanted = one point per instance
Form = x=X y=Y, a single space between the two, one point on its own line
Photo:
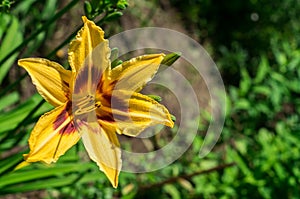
x=103 y=148
x=133 y=112
x=132 y=75
x=93 y=102
x=49 y=138
x=50 y=79
x=88 y=38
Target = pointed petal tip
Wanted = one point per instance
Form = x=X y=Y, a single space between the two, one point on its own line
x=110 y=173
x=101 y=145
x=84 y=19
x=23 y=60
x=170 y=123
x=21 y=165
x=20 y=61
x=115 y=184
x=113 y=177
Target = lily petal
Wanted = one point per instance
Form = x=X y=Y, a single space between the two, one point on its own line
x=132 y=75
x=87 y=39
x=52 y=136
x=50 y=79
x=133 y=112
x=89 y=58
x=94 y=70
x=102 y=146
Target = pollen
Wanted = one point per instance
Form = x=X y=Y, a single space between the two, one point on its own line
x=98 y=104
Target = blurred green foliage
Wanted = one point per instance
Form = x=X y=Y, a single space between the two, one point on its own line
x=255 y=43
x=240 y=30
x=263 y=127
x=94 y=8
x=5 y=5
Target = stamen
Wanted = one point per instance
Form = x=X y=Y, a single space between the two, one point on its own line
x=85 y=99
x=98 y=104
x=80 y=111
x=86 y=104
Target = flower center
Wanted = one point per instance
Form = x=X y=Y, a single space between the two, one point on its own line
x=86 y=104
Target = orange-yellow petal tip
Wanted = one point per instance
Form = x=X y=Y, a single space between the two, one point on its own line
x=21 y=61
x=170 y=124
x=114 y=178
x=115 y=184
x=84 y=19
x=21 y=165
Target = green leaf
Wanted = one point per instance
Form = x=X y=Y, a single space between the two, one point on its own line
x=155 y=97
x=88 y=9
x=242 y=104
x=263 y=108
x=115 y=58
x=122 y=4
x=24 y=6
x=280 y=171
x=58 y=170
x=113 y=16
x=277 y=93
x=8 y=100
x=245 y=82
x=115 y=63
x=262 y=90
x=49 y=9
x=228 y=106
x=279 y=77
x=280 y=58
x=169 y=59
x=173 y=118
x=262 y=71
x=242 y=165
x=10 y=162
x=41 y=184
x=294 y=63
x=10 y=120
x=294 y=85
x=172 y=191
x=10 y=39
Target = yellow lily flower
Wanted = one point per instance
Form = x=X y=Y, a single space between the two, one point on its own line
x=92 y=102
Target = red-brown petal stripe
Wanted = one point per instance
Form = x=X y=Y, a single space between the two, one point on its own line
x=62 y=117
x=88 y=73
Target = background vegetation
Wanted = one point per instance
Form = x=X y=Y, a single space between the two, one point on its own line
x=256 y=47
